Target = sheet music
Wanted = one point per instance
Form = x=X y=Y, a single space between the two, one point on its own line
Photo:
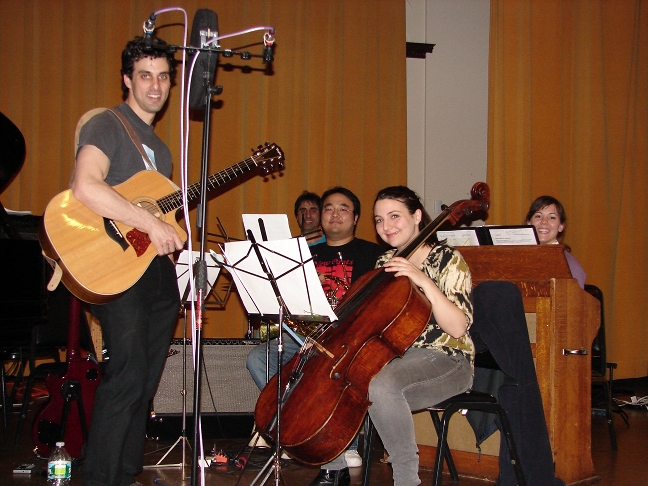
x=459 y=237
x=275 y=225
x=182 y=273
x=298 y=282
x=512 y=235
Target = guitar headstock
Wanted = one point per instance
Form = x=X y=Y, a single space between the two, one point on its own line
x=269 y=158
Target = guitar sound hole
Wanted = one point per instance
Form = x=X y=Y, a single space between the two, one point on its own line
x=150 y=206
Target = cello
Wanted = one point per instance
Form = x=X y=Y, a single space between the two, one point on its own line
x=324 y=401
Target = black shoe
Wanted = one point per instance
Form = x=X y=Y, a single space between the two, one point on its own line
x=332 y=477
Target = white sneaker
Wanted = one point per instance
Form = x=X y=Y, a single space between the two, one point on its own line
x=257 y=440
x=352 y=458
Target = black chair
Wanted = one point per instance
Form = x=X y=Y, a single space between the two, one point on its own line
x=603 y=372
x=476 y=401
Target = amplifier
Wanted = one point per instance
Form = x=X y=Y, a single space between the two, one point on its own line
x=226 y=385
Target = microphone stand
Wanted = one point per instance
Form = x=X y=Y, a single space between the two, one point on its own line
x=274 y=463
x=201 y=272
x=201 y=264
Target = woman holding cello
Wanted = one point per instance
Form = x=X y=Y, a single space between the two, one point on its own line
x=439 y=363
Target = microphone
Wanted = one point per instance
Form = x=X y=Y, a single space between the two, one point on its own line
x=205 y=26
x=268 y=42
x=148 y=27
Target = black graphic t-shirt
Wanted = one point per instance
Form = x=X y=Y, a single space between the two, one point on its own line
x=344 y=264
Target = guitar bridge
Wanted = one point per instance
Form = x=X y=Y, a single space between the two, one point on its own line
x=114 y=234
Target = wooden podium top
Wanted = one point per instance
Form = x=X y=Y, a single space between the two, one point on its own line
x=516 y=263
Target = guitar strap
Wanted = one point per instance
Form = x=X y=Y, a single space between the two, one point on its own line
x=58 y=272
x=55 y=279
x=131 y=133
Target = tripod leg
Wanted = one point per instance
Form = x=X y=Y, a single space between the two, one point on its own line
x=82 y=417
x=69 y=390
x=273 y=465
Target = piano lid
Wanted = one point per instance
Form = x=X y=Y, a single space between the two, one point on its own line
x=12 y=151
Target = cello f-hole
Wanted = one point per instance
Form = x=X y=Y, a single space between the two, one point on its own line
x=335 y=375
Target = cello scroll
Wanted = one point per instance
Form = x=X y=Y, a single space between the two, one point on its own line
x=480 y=201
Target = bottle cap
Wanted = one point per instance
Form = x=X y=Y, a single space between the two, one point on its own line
x=60 y=444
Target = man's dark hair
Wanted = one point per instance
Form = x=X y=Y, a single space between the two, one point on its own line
x=310 y=197
x=345 y=192
x=137 y=49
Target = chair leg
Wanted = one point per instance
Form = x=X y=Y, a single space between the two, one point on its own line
x=18 y=380
x=442 y=444
x=515 y=459
x=613 y=405
x=367 y=449
x=4 y=397
x=620 y=411
x=446 y=451
x=24 y=409
x=607 y=390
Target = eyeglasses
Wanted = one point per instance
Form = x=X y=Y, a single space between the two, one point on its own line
x=339 y=209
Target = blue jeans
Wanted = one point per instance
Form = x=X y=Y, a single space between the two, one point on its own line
x=421 y=379
x=256 y=360
x=137 y=330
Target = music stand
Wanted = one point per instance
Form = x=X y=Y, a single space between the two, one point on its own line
x=279 y=275
x=184 y=286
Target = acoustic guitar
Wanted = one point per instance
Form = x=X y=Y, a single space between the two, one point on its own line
x=67 y=414
x=101 y=258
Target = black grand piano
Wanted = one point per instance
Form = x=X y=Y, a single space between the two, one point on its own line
x=23 y=295
x=33 y=321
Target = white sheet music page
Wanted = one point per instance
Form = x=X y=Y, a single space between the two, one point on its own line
x=275 y=226
x=182 y=273
x=459 y=237
x=290 y=263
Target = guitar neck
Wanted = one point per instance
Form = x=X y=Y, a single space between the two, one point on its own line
x=173 y=201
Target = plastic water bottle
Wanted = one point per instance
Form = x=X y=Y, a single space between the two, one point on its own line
x=59 y=466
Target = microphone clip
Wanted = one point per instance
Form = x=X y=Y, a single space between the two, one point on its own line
x=268 y=43
x=148 y=27
x=149 y=24
x=205 y=36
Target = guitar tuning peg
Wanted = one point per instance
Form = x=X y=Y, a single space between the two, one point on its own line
x=260 y=147
x=267 y=144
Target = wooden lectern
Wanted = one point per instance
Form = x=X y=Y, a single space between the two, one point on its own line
x=566 y=322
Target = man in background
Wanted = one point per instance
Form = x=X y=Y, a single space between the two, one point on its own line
x=308 y=207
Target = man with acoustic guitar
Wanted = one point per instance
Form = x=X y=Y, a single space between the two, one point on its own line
x=136 y=327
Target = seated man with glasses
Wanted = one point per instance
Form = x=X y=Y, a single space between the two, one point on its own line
x=343 y=258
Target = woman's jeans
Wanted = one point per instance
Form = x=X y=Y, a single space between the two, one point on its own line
x=421 y=379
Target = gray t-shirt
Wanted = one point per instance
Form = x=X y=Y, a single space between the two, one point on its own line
x=107 y=133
